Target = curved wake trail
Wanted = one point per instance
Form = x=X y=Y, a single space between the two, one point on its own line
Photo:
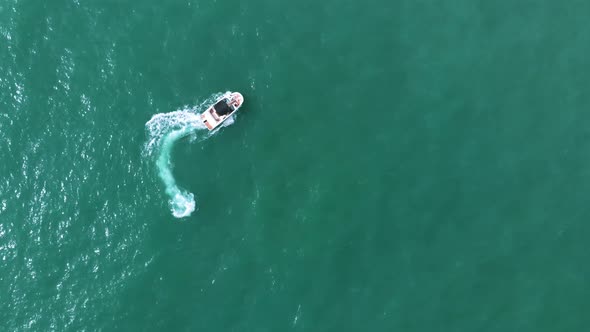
x=164 y=130
x=182 y=203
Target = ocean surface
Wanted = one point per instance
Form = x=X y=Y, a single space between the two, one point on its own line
x=397 y=165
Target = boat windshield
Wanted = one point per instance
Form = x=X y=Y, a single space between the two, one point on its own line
x=222 y=108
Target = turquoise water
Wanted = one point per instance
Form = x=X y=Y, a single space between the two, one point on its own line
x=397 y=165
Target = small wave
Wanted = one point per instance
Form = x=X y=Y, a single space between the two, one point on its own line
x=164 y=130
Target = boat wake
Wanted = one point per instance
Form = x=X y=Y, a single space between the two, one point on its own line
x=164 y=130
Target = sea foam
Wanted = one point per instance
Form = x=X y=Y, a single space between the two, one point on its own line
x=165 y=129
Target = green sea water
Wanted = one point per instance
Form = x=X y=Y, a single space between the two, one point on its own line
x=397 y=166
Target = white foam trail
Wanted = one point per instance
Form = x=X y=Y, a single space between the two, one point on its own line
x=164 y=130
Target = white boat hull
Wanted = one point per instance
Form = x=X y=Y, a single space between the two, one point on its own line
x=217 y=113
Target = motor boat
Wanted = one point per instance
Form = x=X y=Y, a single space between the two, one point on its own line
x=223 y=109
